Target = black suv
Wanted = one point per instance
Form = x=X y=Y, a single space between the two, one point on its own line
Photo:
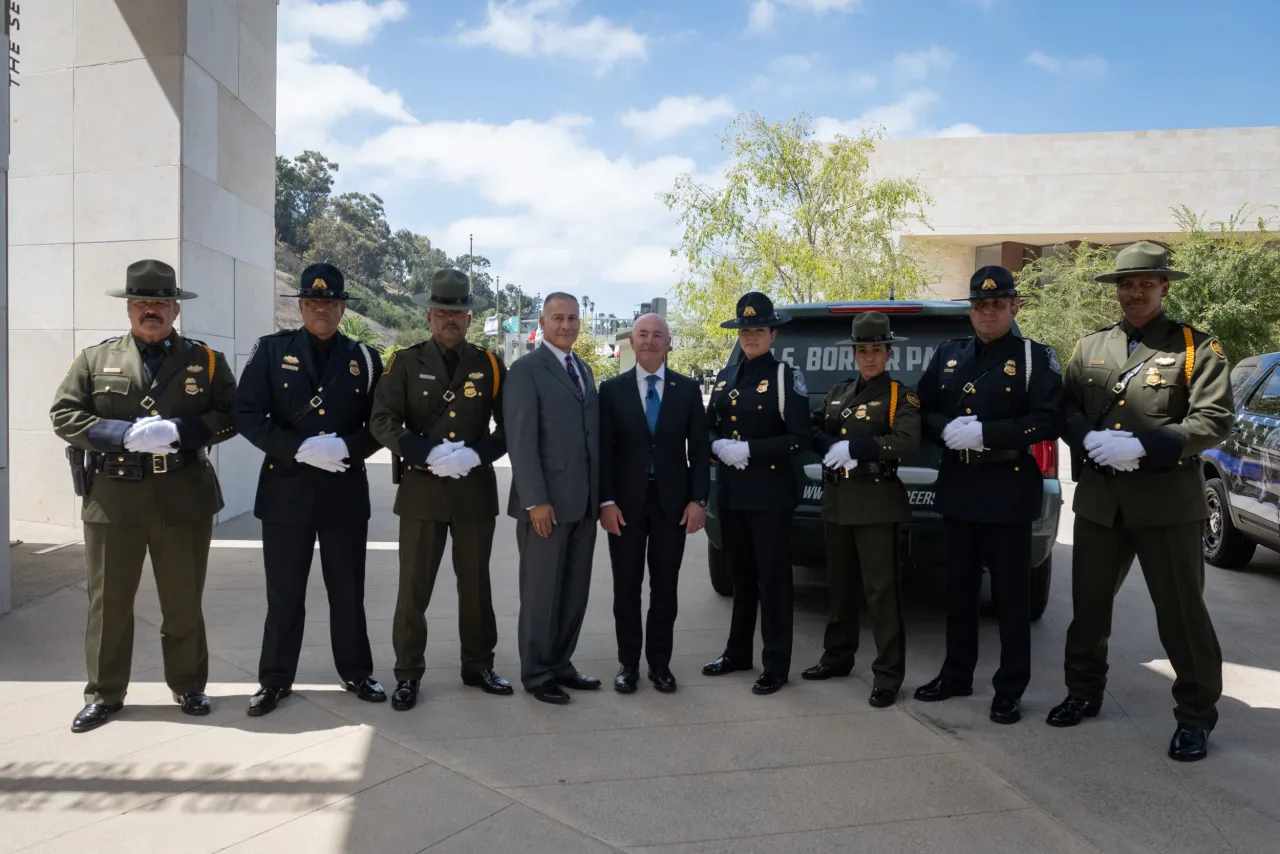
x=1242 y=475
x=809 y=342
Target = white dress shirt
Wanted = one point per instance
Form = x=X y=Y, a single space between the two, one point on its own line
x=560 y=354
x=642 y=380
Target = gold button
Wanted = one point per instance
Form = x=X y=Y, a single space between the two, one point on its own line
x=286 y=385
x=320 y=389
x=843 y=431
x=968 y=412
x=877 y=480
x=322 y=412
x=760 y=407
x=1015 y=468
x=773 y=467
x=1117 y=425
x=108 y=388
x=155 y=412
x=453 y=435
x=733 y=418
x=120 y=472
x=1121 y=403
x=119 y=459
x=424 y=394
x=453 y=415
x=321 y=432
x=1090 y=379
x=1008 y=389
x=733 y=403
x=270 y=466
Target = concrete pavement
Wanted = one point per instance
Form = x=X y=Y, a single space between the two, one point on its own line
x=710 y=769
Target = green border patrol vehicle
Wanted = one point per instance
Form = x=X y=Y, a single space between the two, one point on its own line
x=809 y=342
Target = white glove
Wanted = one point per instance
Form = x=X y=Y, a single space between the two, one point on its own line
x=443 y=450
x=1094 y=438
x=1116 y=451
x=457 y=464
x=850 y=465
x=718 y=446
x=327 y=449
x=151 y=435
x=966 y=437
x=837 y=455
x=736 y=454
x=949 y=432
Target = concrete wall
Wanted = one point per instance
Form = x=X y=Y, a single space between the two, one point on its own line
x=1108 y=187
x=139 y=129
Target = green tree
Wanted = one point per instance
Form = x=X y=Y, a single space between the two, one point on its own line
x=1065 y=302
x=302 y=193
x=358 y=329
x=797 y=218
x=1233 y=290
x=353 y=235
x=589 y=347
x=411 y=260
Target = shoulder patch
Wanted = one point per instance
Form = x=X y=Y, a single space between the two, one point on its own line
x=797 y=380
x=386 y=369
x=913 y=399
x=1216 y=347
x=1053 y=359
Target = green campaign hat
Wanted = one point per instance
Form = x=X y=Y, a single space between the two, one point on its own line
x=451 y=291
x=151 y=279
x=1139 y=258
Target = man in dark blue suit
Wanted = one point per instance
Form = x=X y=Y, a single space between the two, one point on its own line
x=305 y=400
x=986 y=400
x=655 y=475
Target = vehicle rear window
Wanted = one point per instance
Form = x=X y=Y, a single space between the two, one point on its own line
x=1266 y=400
x=811 y=344
x=1241 y=375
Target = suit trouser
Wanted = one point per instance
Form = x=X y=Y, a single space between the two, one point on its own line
x=1173 y=567
x=421 y=550
x=180 y=560
x=757 y=544
x=555 y=579
x=1006 y=551
x=287 y=552
x=665 y=546
x=865 y=558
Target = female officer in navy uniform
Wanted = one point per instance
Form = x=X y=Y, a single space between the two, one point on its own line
x=759 y=419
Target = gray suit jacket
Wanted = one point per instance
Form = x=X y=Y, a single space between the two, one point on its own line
x=553 y=439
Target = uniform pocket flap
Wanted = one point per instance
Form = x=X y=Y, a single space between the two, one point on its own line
x=111 y=384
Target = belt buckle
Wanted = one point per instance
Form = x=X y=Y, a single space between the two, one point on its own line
x=969 y=388
x=159 y=464
x=448 y=396
x=315 y=401
x=1118 y=387
x=147 y=402
x=964 y=455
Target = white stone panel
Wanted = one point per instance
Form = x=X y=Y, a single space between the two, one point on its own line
x=246 y=154
x=213 y=39
x=119 y=30
x=258 y=68
x=40 y=210
x=209 y=214
x=42 y=491
x=255 y=234
x=211 y=275
x=40 y=286
x=45 y=38
x=40 y=130
x=100 y=267
x=134 y=204
x=260 y=17
x=255 y=304
x=949 y=265
x=199 y=120
x=128 y=115
x=31 y=388
x=238 y=466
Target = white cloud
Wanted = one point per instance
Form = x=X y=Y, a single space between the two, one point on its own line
x=761 y=16
x=963 y=129
x=794 y=64
x=821 y=6
x=798 y=75
x=673 y=115
x=905 y=117
x=1088 y=68
x=344 y=21
x=541 y=28
x=860 y=81
x=919 y=64
x=313 y=94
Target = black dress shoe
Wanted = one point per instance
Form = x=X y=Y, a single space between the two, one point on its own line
x=579 y=682
x=723 y=665
x=1189 y=744
x=94 y=715
x=195 y=703
x=1006 y=710
x=881 y=698
x=825 y=671
x=663 y=679
x=627 y=680
x=941 y=689
x=487 y=681
x=405 y=697
x=266 y=700
x=767 y=684
x=1073 y=710
x=549 y=692
x=367 y=689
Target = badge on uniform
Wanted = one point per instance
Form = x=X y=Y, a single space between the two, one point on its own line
x=720 y=385
x=469 y=389
x=291 y=367
x=1010 y=367
x=951 y=363
x=861 y=412
x=354 y=368
x=1216 y=347
x=191 y=387
x=876 y=402
x=293 y=360
x=478 y=375
x=1154 y=378
x=195 y=369
x=763 y=387
x=1166 y=361
x=913 y=400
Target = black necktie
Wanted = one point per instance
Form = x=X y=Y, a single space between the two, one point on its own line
x=451 y=359
x=152 y=356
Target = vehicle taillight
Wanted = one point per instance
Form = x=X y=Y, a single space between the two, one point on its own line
x=883 y=309
x=1046 y=454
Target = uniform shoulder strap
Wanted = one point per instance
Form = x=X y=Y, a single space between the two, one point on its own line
x=782 y=390
x=493 y=363
x=1188 y=339
x=1026 y=344
x=893 y=401
x=368 y=366
x=213 y=362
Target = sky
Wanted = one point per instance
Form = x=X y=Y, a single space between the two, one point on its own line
x=549 y=128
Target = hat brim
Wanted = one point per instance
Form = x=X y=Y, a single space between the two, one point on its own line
x=123 y=294
x=997 y=295
x=475 y=304
x=753 y=323
x=1116 y=275
x=332 y=296
x=890 y=340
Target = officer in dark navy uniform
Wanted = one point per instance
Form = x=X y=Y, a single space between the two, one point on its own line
x=987 y=399
x=305 y=400
x=759 y=419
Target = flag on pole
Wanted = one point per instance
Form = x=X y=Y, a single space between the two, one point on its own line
x=491 y=325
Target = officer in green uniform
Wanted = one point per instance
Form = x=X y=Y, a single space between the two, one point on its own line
x=432 y=409
x=1144 y=398
x=866 y=424
x=139 y=412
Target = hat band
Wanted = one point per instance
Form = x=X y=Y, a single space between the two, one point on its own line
x=163 y=292
x=873 y=339
x=452 y=300
x=1144 y=269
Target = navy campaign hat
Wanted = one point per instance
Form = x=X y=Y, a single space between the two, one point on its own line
x=322 y=281
x=755 y=310
x=989 y=283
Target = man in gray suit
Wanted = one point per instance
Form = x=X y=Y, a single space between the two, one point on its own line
x=552 y=420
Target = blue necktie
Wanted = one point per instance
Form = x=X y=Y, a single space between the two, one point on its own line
x=652 y=404
x=573 y=375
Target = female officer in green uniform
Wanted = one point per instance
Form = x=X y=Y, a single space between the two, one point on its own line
x=866 y=424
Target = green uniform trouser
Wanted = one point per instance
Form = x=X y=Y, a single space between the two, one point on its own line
x=421 y=550
x=1173 y=567
x=866 y=557
x=180 y=560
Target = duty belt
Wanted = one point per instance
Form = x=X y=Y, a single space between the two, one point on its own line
x=872 y=468
x=131 y=466
x=977 y=457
